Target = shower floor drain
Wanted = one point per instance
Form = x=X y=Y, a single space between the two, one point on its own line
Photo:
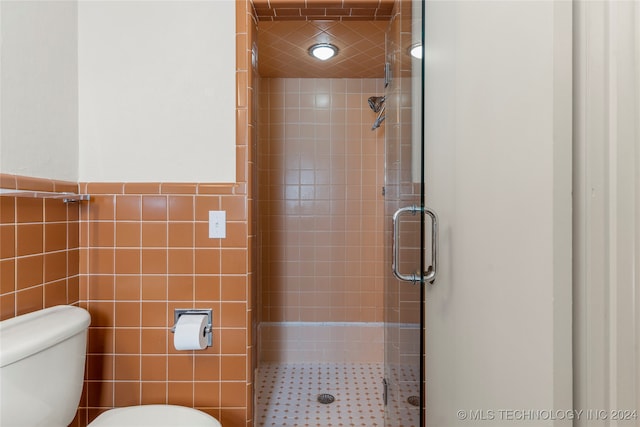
x=326 y=398
x=414 y=400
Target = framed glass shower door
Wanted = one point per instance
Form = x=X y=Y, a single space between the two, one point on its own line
x=405 y=233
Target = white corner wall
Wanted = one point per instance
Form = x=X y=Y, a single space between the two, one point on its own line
x=157 y=91
x=606 y=223
x=39 y=89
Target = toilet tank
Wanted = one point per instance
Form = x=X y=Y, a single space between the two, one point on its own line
x=42 y=358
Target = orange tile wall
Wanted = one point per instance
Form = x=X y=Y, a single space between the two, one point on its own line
x=39 y=247
x=321 y=207
x=145 y=252
x=246 y=58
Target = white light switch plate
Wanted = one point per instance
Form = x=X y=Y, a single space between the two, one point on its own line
x=217 y=224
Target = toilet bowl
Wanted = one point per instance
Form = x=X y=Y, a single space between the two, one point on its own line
x=42 y=357
x=154 y=416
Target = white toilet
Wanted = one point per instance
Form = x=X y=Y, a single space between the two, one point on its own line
x=42 y=358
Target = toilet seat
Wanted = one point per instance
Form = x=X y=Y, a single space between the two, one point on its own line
x=154 y=416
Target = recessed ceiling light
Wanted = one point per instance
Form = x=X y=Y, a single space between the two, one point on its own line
x=416 y=50
x=323 y=51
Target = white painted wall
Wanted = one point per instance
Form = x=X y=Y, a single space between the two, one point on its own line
x=498 y=173
x=607 y=210
x=157 y=91
x=39 y=89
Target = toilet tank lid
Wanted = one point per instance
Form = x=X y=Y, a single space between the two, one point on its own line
x=31 y=333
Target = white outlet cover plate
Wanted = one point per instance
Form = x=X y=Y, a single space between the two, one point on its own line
x=217 y=224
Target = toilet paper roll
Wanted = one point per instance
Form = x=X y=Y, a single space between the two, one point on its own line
x=190 y=332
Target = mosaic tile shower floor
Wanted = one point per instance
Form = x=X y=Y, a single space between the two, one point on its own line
x=286 y=395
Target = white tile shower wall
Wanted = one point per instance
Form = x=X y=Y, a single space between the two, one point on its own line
x=295 y=342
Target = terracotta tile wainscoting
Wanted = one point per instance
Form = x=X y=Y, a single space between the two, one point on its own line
x=130 y=256
x=145 y=251
x=39 y=247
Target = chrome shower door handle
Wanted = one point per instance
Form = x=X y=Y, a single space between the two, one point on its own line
x=413 y=277
x=431 y=272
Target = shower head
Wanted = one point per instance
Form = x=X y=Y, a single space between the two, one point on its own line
x=375 y=103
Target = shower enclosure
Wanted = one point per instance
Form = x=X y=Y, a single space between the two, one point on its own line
x=341 y=202
x=406 y=272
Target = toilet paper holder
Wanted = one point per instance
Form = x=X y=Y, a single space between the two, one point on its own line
x=194 y=311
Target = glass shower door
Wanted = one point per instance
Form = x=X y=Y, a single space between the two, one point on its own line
x=405 y=233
